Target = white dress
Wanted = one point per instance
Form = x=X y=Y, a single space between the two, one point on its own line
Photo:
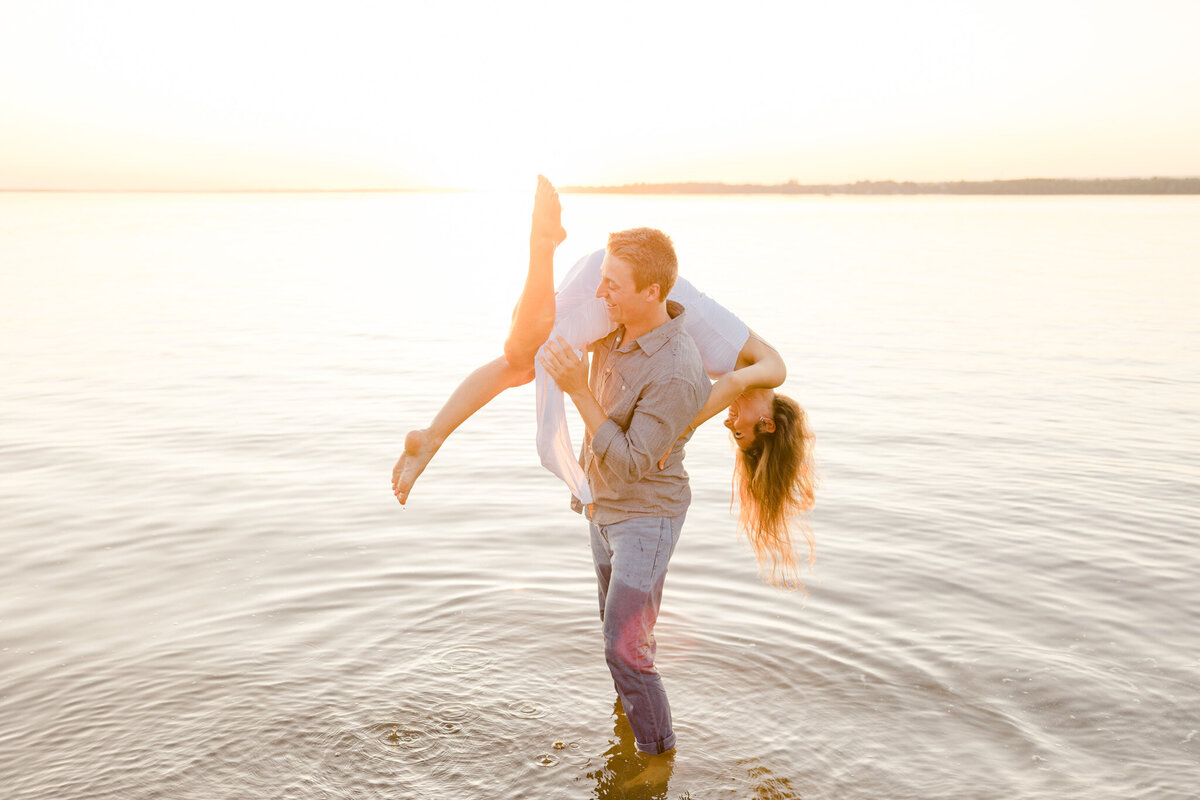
x=580 y=318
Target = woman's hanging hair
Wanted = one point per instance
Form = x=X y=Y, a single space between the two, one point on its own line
x=774 y=482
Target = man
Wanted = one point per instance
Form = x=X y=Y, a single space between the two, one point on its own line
x=646 y=384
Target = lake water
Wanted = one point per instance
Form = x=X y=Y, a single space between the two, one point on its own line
x=207 y=589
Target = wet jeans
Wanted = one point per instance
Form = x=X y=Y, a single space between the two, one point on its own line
x=631 y=560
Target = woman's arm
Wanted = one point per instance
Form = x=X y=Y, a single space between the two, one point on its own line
x=759 y=366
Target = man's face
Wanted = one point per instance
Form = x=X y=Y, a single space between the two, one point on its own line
x=622 y=300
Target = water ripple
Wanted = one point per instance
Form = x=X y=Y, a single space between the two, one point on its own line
x=455 y=715
x=397 y=738
x=524 y=709
x=466 y=659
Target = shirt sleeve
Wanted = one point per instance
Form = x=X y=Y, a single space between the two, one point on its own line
x=663 y=411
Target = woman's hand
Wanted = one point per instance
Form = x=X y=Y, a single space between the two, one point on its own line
x=662 y=462
x=568 y=370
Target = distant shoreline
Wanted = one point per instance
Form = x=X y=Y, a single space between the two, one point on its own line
x=1023 y=186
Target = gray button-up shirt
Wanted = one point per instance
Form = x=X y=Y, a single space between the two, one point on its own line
x=650 y=388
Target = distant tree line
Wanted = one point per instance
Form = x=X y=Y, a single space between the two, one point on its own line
x=1021 y=186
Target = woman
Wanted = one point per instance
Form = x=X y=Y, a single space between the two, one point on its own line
x=774 y=475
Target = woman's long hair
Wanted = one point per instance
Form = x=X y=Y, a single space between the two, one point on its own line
x=774 y=482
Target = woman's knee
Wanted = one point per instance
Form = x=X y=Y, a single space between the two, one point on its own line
x=520 y=357
x=523 y=375
x=515 y=375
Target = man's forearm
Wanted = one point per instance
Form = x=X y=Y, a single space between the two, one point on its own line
x=660 y=417
x=589 y=409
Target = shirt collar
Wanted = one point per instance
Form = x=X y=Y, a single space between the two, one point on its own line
x=652 y=341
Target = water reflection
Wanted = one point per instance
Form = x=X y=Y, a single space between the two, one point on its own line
x=767 y=786
x=628 y=774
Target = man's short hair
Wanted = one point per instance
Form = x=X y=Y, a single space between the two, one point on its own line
x=651 y=254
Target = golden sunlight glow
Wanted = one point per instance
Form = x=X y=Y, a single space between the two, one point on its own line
x=275 y=96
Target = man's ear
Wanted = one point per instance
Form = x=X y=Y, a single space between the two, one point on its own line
x=656 y=295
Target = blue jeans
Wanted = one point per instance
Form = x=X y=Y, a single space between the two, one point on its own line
x=631 y=560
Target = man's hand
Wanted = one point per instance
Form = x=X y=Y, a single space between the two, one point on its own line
x=568 y=370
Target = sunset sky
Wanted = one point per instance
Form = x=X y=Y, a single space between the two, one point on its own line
x=178 y=95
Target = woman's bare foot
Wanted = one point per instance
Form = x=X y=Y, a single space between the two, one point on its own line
x=419 y=447
x=547 y=213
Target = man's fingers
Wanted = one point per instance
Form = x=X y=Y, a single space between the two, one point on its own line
x=551 y=367
x=557 y=354
x=564 y=347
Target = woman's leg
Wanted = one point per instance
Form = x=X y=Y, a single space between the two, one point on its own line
x=533 y=316
x=516 y=367
x=476 y=391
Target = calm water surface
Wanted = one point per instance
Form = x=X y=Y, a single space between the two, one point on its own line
x=207 y=589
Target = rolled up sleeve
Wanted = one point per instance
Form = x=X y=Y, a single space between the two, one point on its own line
x=663 y=411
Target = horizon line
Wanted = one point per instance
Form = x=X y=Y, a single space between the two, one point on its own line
x=791 y=186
